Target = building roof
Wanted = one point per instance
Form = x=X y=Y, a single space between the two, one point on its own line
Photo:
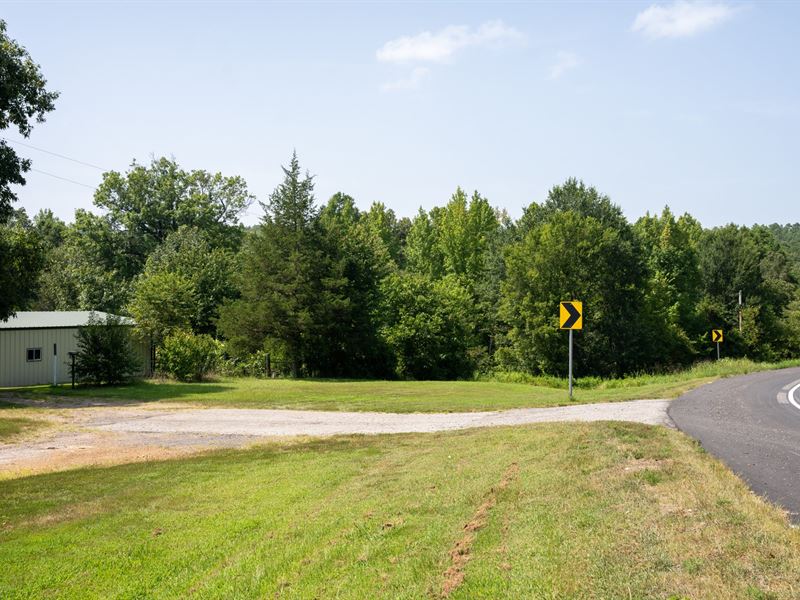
x=54 y=318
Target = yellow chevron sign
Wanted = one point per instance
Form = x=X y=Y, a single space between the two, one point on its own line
x=716 y=336
x=570 y=315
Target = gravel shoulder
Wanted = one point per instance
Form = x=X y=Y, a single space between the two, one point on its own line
x=88 y=435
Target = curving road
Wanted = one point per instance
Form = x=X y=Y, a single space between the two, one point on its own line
x=751 y=424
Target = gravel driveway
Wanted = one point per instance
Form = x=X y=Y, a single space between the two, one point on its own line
x=104 y=435
x=261 y=422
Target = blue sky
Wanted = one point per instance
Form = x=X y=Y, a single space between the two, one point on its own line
x=694 y=105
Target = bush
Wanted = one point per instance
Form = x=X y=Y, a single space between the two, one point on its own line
x=253 y=365
x=188 y=357
x=249 y=365
x=105 y=353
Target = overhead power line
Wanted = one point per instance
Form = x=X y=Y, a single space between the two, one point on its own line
x=65 y=157
x=91 y=187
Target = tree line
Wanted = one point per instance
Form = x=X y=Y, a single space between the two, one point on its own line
x=334 y=290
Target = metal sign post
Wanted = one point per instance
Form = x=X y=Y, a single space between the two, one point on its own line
x=570 y=317
x=570 y=364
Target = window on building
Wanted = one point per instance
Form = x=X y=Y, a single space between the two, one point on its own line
x=34 y=354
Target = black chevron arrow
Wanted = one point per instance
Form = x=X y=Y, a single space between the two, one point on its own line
x=716 y=336
x=574 y=315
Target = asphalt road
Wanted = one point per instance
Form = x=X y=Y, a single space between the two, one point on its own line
x=751 y=425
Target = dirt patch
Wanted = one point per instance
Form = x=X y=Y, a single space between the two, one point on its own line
x=69 y=402
x=461 y=552
x=106 y=454
x=76 y=448
x=630 y=467
x=73 y=438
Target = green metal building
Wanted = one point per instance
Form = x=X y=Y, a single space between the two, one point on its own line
x=35 y=346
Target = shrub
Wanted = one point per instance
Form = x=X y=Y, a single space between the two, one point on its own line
x=253 y=365
x=188 y=357
x=105 y=353
x=249 y=365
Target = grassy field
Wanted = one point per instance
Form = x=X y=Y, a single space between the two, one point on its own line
x=405 y=396
x=604 y=510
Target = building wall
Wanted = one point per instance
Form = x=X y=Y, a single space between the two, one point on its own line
x=15 y=370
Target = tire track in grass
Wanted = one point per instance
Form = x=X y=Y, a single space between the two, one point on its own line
x=461 y=552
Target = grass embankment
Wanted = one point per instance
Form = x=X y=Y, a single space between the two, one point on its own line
x=606 y=510
x=407 y=396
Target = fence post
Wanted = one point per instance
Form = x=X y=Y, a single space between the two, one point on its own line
x=269 y=367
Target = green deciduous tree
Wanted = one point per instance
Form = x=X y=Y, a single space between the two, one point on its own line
x=674 y=288
x=578 y=246
x=428 y=326
x=50 y=229
x=469 y=235
x=789 y=237
x=467 y=230
x=101 y=255
x=202 y=273
x=24 y=100
x=382 y=222
x=752 y=260
x=89 y=270
x=423 y=254
x=148 y=203
x=21 y=257
x=163 y=302
x=463 y=239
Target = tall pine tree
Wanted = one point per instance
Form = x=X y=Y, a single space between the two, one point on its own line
x=282 y=266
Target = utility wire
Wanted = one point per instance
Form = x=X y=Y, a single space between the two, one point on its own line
x=75 y=160
x=91 y=187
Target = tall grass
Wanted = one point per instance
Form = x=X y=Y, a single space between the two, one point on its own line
x=727 y=367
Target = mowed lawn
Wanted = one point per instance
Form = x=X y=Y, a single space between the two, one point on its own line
x=403 y=396
x=604 y=510
x=391 y=396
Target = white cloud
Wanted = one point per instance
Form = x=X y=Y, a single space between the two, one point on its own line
x=412 y=82
x=443 y=45
x=681 y=18
x=565 y=61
